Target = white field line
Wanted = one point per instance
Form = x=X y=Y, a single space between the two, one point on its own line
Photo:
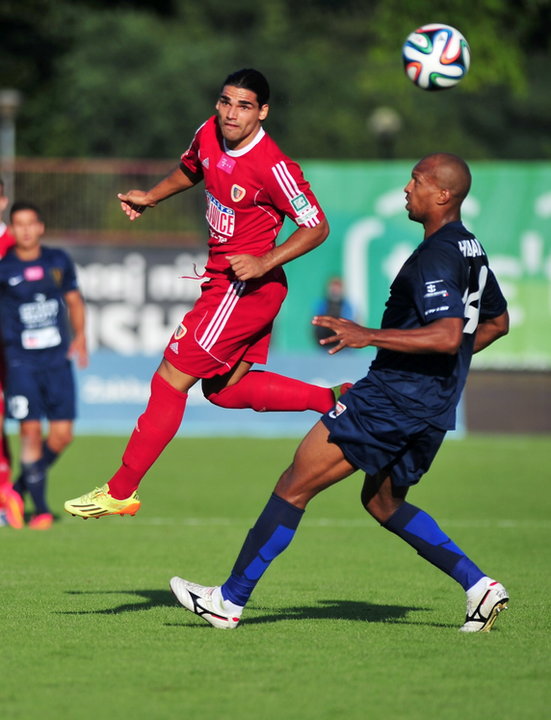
x=502 y=524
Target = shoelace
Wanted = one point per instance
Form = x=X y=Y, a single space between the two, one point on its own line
x=94 y=494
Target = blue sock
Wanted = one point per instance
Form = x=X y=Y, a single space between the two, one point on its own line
x=422 y=532
x=49 y=456
x=34 y=479
x=273 y=531
x=19 y=484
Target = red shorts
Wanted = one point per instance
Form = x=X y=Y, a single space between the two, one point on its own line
x=230 y=321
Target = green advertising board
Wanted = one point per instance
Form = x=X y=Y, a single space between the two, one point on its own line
x=508 y=209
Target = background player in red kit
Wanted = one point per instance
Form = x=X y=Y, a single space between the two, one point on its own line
x=10 y=503
x=250 y=187
x=6 y=238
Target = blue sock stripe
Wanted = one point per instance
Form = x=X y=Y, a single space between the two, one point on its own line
x=278 y=512
x=271 y=534
x=422 y=532
x=280 y=538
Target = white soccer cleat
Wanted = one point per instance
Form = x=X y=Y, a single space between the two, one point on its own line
x=207 y=603
x=483 y=607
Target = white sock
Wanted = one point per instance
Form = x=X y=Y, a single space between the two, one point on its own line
x=228 y=605
x=479 y=587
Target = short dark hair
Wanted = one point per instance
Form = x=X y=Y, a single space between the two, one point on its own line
x=250 y=79
x=24 y=205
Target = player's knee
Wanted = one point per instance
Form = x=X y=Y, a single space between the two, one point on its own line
x=380 y=497
x=374 y=508
x=213 y=389
x=31 y=440
x=235 y=397
x=61 y=439
x=294 y=489
x=30 y=435
x=67 y=439
x=381 y=507
x=370 y=493
x=219 y=398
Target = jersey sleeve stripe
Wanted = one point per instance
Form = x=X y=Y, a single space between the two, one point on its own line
x=289 y=186
x=285 y=180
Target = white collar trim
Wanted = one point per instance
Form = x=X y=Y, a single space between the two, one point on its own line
x=254 y=142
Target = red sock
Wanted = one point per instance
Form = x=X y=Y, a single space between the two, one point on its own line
x=5 y=474
x=154 y=430
x=266 y=391
x=5 y=460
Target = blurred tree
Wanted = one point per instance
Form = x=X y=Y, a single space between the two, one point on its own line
x=115 y=78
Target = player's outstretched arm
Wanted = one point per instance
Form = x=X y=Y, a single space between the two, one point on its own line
x=441 y=336
x=135 y=202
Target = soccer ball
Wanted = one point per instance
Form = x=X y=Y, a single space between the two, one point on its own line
x=436 y=56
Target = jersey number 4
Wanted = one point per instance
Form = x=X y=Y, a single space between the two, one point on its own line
x=472 y=302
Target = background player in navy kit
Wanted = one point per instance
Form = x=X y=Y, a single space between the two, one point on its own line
x=38 y=296
x=250 y=187
x=444 y=305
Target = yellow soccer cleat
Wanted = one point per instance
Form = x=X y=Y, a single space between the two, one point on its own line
x=99 y=503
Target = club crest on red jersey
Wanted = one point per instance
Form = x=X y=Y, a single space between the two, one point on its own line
x=237 y=193
x=180 y=331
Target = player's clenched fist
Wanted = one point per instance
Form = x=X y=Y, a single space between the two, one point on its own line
x=247 y=267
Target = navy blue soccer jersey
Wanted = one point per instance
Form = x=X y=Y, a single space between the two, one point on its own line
x=446 y=276
x=33 y=318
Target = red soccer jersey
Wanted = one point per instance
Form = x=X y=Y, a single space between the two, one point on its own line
x=248 y=192
x=6 y=239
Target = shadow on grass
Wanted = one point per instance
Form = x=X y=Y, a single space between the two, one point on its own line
x=145 y=600
x=324 y=610
x=340 y=610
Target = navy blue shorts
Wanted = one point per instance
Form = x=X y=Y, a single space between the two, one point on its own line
x=37 y=393
x=376 y=436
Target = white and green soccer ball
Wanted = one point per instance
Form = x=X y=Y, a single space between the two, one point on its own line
x=436 y=56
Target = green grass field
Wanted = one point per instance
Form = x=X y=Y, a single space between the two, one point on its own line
x=348 y=623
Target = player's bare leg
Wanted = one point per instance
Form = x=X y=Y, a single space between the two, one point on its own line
x=60 y=435
x=317 y=464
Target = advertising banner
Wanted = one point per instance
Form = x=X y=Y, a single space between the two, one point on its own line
x=508 y=209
